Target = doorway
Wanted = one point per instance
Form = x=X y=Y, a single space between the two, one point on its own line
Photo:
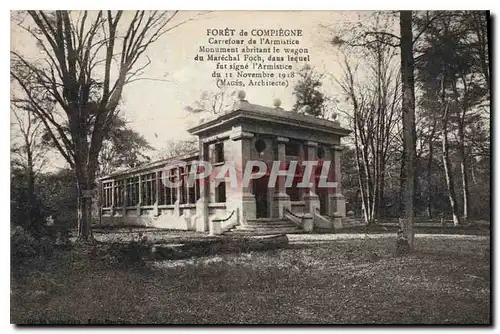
x=260 y=192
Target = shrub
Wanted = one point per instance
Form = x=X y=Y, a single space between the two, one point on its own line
x=26 y=244
x=22 y=244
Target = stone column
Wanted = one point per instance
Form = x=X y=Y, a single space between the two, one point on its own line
x=99 y=201
x=157 y=193
x=329 y=156
x=113 y=199
x=125 y=198
x=139 y=200
x=186 y=185
x=302 y=157
x=311 y=199
x=281 y=200
x=177 y=209
x=202 y=212
x=158 y=187
x=243 y=199
x=337 y=200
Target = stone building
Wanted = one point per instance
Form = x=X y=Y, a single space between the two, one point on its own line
x=249 y=132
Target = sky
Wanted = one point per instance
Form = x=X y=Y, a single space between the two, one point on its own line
x=153 y=107
x=156 y=108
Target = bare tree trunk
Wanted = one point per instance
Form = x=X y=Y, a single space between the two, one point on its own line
x=368 y=188
x=402 y=182
x=465 y=174
x=85 y=187
x=473 y=174
x=30 y=195
x=429 y=168
x=84 y=204
x=408 y=112
x=429 y=176
x=381 y=203
x=84 y=215
x=85 y=175
x=361 y=176
x=447 y=167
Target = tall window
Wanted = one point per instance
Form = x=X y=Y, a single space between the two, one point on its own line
x=192 y=194
x=148 y=189
x=219 y=152
x=119 y=193
x=107 y=193
x=183 y=175
x=132 y=186
x=220 y=193
x=161 y=188
x=166 y=190
x=193 y=190
x=173 y=190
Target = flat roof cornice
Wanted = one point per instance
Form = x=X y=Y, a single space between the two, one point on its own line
x=150 y=166
x=245 y=110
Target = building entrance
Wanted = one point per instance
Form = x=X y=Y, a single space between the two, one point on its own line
x=261 y=200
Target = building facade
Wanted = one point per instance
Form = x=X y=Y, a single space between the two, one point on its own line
x=143 y=196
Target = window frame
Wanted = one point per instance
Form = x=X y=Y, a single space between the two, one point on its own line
x=219 y=157
x=221 y=185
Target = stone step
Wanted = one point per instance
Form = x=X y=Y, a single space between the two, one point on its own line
x=263 y=232
x=264 y=219
x=255 y=228
x=285 y=224
x=265 y=226
x=267 y=222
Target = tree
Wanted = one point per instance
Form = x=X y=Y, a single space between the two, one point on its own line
x=408 y=119
x=88 y=59
x=477 y=40
x=308 y=94
x=461 y=52
x=428 y=128
x=375 y=111
x=213 y=103
x=364 y=35
x=122 y=148
x=453 y=70
x=175 y=148
x=371 y=86
x=58 y=196
x=27 y=154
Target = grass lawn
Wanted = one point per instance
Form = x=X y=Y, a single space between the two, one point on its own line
x=315 y=280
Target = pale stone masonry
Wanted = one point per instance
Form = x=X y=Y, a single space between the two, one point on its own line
x=247 y=132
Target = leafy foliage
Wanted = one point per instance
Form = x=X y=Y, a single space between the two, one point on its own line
x=175 y=148
x=213 y=103
x=122 y=147
x=58 y=195
x=451 y=52
x=309 y=97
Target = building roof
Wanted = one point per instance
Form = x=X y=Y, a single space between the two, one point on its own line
x=246 y=110
x=152 y=165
